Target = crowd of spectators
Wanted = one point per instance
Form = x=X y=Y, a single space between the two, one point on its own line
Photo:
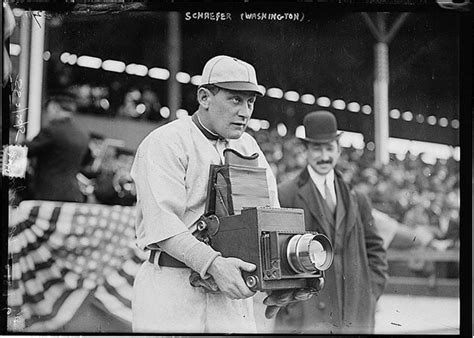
x=136 y=102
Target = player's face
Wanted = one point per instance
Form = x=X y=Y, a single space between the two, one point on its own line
x=228 y=112
x=323 y=157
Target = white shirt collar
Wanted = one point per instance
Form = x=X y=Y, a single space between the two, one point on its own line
x=320 y=179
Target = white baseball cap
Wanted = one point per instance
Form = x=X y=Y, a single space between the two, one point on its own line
x=230 y=73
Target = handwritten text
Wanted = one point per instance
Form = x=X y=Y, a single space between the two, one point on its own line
x=20 y=124
x=211 y=16
x=272 y=16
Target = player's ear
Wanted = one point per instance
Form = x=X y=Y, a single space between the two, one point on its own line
x=203 y=96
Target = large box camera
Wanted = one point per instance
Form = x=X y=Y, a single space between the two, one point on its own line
x=239 y=223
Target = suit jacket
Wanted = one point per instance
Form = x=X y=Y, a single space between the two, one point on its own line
x=358 y=275
x=59 y=150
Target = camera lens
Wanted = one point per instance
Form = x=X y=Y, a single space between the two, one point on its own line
x=317 y=254
x=309 y=253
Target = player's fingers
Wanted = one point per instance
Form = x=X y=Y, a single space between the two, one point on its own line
x=271 y=311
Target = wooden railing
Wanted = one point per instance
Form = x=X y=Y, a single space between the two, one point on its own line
x=431 y=285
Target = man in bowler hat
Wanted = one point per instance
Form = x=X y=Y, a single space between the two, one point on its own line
x=358 y=274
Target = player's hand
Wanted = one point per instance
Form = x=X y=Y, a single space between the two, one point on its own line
x=279 y=299
x=227 y=273
x=208 y=284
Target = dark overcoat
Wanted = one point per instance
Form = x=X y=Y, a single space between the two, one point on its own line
x=358 y=274
x=59 y=150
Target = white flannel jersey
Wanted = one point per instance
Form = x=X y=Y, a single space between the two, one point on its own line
x=171 y=172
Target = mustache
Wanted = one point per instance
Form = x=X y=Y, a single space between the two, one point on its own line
x=325 y=161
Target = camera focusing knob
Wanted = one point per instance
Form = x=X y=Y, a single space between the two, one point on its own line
x=251 y=281
x=209 y=223
x=201 y=225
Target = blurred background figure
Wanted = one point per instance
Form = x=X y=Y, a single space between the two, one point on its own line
x=105 y=175
x=139 y=104
x=59 y=150
x=113 y=183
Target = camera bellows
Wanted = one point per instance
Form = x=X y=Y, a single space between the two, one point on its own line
x=248 y=187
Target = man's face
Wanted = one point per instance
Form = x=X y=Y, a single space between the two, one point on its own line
x=323 y=157
x=228 y=112
x=50 y=112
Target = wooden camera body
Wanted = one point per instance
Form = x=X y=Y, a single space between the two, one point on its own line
x=239 y=222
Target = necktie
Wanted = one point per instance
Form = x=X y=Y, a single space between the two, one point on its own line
x=329 y=200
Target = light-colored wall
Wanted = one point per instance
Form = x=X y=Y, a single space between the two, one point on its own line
x=130 y=131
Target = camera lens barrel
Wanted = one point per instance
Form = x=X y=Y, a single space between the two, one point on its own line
x=308 y=253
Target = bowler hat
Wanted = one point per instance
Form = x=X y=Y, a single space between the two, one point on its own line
x=230 y=73
x=320 y=127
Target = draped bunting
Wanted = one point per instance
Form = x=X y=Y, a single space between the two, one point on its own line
x=62 y=252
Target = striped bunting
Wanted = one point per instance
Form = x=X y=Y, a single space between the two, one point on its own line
x=61 y=252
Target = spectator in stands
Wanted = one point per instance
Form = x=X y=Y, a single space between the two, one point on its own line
x=357 y=276
x=416 y=216
x=152 y=105
x=113 y=184
x=59 y=151
x=140 y=105
x=130 y=103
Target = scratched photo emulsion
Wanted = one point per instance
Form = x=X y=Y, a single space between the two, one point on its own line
x=222 y=171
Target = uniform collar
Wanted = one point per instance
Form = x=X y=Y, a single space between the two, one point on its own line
x=207 y=133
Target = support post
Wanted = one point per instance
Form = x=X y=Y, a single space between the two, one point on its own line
x=381 y=80
x=174 y=62
x=36 y=74
x=381 y=121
